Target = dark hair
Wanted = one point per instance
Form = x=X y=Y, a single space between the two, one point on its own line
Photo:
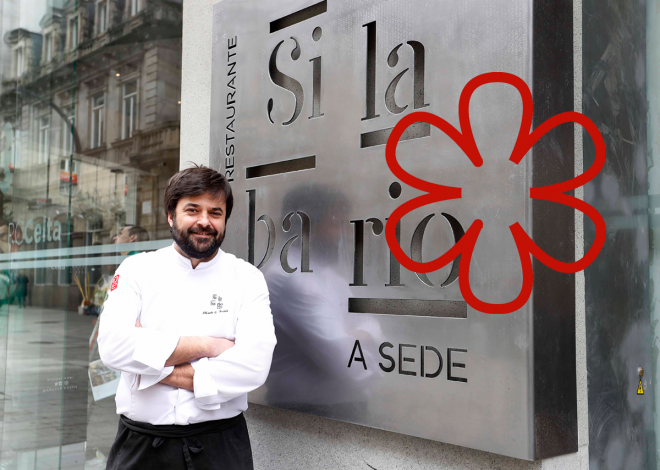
x=196 y=181
x=140 y=232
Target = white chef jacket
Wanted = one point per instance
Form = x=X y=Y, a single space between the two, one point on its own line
x=225 y=297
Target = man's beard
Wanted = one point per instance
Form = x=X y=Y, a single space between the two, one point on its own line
x=193 y=248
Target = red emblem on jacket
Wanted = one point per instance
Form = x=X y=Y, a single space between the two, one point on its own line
x=115 y=281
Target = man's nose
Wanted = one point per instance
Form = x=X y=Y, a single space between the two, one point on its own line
x=203 y=219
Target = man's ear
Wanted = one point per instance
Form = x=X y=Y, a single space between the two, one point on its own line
x=169 y=220
x=132 y=238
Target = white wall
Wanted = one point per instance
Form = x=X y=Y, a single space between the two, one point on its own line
x=287 y=440
x=196 y=81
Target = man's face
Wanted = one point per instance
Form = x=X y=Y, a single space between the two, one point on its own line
x=124 y=236
x=198 y=225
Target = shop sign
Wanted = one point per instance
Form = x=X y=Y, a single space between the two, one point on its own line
x=305 y=95
x=65 y=177
x=34 y=231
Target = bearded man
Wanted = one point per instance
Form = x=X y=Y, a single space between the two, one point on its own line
x=190 y=328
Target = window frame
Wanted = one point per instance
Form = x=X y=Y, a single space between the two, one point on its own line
x=97 y=134
x=48 y=47
x=19 y=61
x=64 y=165
x=102 y=15
x=65 y=188
x=132 y=99
x=73 y=32
x=15 y=151
x=134 y=8
x=43 y=138
x=67 y=135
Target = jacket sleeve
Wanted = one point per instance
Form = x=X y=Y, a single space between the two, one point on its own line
x=122 y=345
x=245 y=366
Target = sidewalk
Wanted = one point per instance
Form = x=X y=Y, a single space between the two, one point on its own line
x=45 y=398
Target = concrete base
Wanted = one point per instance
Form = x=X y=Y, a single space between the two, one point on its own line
x=288 y=440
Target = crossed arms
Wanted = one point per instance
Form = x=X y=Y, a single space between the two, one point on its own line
x=189 y=349
x=215 y=369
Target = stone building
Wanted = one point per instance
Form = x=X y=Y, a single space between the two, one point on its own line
x=90 y=108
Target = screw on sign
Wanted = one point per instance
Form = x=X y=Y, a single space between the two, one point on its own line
x=436 y=192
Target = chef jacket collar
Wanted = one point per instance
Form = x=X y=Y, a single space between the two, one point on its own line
x=187 y=263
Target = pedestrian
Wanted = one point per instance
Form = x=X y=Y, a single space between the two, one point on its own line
x=21 y=289
x=190 y=328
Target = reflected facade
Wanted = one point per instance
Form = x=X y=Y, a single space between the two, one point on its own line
x=90 y=119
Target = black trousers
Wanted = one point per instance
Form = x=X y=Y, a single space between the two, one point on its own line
x=221 y=445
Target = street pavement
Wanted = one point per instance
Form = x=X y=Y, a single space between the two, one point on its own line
x=48 y=416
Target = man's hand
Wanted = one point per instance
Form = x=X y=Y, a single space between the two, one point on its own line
x=191 y=348
x=181 y=377
x=217 y=346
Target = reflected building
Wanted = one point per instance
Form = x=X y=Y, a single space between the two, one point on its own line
x=89 y=121
x=90 y=109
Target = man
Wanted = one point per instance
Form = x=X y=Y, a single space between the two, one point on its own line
x=131 y=234
x=190 y=329
x=22 y=282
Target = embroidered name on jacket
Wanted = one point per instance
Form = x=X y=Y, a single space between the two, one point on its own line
x=216 y=306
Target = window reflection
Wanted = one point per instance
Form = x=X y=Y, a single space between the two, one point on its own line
x=102 y=14
x=44 y=138
x=89 y=109
x=98 y=112
x=129 y=115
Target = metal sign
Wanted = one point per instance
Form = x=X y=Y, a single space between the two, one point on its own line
x=304 y=97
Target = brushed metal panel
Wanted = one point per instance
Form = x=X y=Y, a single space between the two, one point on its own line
x=315 y=226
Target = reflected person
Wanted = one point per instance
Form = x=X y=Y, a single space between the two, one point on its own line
x=22 y=282
x=315 y=338
x=131 y=234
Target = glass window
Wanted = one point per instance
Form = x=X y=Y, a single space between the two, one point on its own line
x=134 y=7
x=73 y=33
x=67 y=134
x=80 y=190
x=44 y=138
x=48 y=47
x=65 y=163
x=19 y=62
x=102 y=13
x=129 y=109
x=66 y=188
x=15 y=149
x=97 y=125
x=69 y=178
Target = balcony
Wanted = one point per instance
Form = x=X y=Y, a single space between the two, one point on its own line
x=147 y=146
x=158 y=18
